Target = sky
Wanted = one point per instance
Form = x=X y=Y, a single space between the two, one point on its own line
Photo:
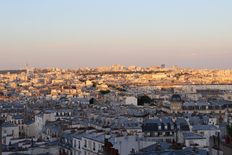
x=89 y=33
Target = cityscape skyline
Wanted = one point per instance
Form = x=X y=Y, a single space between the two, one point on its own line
x=125 y=77
x=85 y=33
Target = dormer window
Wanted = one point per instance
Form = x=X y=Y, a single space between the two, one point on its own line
x=165 y=127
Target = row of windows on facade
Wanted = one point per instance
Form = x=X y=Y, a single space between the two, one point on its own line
x=158 y=127
x=159 y=133
x=63 y=114
x=87 y=144
x=205 y=107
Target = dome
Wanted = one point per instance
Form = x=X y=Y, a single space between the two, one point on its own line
x=176 y=98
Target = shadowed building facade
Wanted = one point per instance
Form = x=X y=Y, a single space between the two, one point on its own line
x=176 y=103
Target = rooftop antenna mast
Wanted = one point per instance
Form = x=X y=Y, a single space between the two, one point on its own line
x=26 y=66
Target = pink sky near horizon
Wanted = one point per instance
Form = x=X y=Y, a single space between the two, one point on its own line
x=76 y=34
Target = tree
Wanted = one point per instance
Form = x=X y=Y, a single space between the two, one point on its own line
x=92 y=101
x=104 y=92
x=94 y=84
x=229 y=130
x=144 y=99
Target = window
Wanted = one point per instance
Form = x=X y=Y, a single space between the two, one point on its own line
x=89 y=144
x=165 y=127
x=100 y=147
x=85 y=143
x=94 y=146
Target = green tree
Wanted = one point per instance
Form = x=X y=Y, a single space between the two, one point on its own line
x=229 y=130
x=104 y=92
x=144 y=99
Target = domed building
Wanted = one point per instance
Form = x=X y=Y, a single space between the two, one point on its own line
x=176 y=103
x=176 y=98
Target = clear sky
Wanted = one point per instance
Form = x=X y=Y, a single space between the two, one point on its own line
x=78 y=33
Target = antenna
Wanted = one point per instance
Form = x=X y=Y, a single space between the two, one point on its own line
x=26 y=65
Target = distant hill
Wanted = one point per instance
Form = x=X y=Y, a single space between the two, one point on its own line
x=12 y=71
